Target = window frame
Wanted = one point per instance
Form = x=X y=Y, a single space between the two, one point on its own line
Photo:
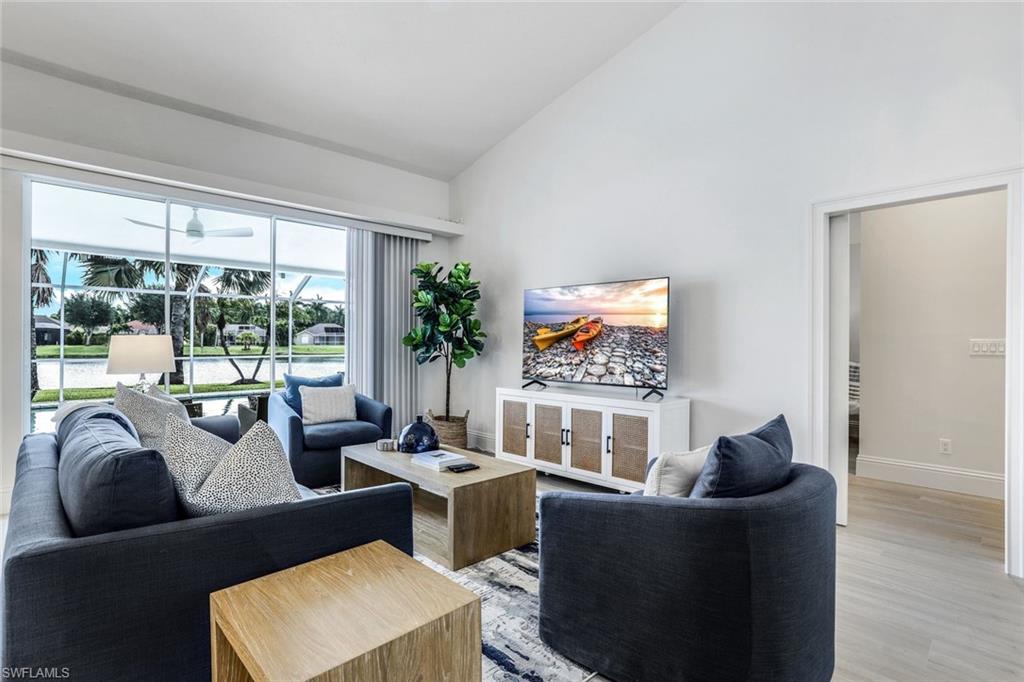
x=270 y=297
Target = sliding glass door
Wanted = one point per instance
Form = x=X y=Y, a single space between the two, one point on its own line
x=311 y=298
x=105 y=263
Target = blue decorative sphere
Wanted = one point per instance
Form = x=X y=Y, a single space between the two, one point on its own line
x=418 y=437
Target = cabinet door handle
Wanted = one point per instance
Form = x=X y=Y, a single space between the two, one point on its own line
x=608 y=445
x=568 y=436
x=527 y=430
x=562 y=439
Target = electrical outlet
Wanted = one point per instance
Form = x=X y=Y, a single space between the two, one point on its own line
x=945 y=446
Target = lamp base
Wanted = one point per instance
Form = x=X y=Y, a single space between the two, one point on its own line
x=142 y=386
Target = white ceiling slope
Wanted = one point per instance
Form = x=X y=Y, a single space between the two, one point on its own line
x=427 y=87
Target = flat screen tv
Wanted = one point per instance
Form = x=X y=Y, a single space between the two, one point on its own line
x=613 y=334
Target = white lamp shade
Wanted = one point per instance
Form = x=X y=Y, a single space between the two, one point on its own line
x=140 y=354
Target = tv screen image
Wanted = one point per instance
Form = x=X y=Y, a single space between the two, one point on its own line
x=614 y=333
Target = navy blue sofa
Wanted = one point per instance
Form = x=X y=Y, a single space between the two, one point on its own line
x=315 y=450
x=666 y=588
x=134 y=604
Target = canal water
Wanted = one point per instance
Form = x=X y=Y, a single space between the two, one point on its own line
x=206 y=370
x=92 y=373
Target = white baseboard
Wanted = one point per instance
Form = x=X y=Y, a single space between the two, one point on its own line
x=481 y=440
x=953 y=479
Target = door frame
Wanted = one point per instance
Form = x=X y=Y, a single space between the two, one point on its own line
x=819 y=390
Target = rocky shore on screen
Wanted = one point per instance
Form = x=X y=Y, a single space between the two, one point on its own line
x=619 y=356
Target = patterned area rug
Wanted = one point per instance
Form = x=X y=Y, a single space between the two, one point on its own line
x=509 y=589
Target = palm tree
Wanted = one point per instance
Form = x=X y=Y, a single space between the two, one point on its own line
x=126 y=273
x=41 y=297
x=250 y=282
x=318 y=310
x=205 y=309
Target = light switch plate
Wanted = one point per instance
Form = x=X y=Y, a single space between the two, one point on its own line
x=989 y=347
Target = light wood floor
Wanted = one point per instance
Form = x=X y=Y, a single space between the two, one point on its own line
x=921 y=589
x=921 y=592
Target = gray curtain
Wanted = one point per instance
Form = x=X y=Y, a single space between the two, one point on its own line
x=360 y=275
x=379 y=314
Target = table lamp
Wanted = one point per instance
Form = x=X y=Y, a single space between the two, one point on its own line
x=143 y=353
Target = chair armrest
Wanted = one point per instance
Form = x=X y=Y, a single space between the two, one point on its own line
x=94 y=603
x=286 y=424
x=223 y=426
x=375 y=412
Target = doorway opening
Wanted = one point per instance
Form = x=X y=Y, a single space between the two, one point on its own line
x=963 y=453
x=926 y=377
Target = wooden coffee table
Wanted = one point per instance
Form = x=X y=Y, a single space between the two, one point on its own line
x=459 y=519
x=368 y=614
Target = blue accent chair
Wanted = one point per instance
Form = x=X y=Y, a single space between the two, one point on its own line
x=667 y=588
x=315 y=450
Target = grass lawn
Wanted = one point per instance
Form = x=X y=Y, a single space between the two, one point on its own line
x=49 y=395
x=94 y=351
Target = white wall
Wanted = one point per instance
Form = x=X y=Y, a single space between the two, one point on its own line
x=933 y=276
x=697 y=153
x=52 y=108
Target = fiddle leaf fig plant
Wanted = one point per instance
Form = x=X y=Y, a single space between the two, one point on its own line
x=448 y=330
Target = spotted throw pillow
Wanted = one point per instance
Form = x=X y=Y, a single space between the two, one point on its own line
x=148 y=414
x=212 y=476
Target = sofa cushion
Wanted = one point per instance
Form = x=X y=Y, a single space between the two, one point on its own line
x=751 y=464
x=70 y=406
x=292 y=383
x=69 y=424
x=338 y=434
x=107 y=480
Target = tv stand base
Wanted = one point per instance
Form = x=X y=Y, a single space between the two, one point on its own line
x=556 y=430
x=651 y=392
x=535 y=382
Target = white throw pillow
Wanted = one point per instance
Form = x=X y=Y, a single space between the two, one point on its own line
x=147 y=414
x=674 y=474
x=328 y=403
x=213 y=476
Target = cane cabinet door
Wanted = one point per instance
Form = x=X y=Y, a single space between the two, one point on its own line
x=515 y=427
x=548 y=433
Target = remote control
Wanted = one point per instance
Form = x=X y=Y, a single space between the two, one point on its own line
x=459 y=468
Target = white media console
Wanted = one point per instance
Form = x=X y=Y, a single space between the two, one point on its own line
x=602 y=440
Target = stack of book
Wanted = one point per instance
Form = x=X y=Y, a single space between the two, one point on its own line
x=438 y=460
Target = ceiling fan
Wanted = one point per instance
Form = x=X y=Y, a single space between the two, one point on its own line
x=197 y=230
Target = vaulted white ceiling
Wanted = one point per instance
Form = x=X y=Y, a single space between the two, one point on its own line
x=424 y=86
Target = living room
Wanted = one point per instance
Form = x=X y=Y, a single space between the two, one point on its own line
x=258 y=259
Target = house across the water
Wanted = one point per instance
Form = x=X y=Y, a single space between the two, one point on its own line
x=323 y=334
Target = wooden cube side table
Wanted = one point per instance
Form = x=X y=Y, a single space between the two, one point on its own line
x=368 y=614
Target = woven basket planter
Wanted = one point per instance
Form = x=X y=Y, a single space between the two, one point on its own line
x=450 y=431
